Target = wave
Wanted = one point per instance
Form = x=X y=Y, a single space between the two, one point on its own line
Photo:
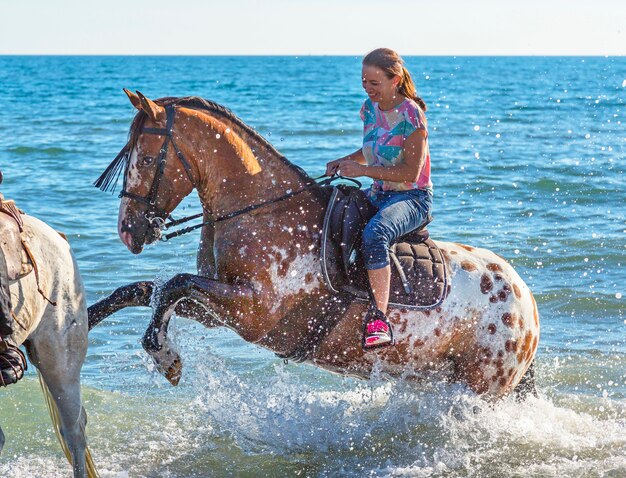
x=49 y=151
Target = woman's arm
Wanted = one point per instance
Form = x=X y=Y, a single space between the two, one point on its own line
x=407 y=171
x=357 y=156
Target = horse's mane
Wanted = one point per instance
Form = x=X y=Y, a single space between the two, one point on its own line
x=108 y=179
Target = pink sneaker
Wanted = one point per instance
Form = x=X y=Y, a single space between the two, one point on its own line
x=377 y=330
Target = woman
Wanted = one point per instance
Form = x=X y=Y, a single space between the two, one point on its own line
x=395 y=155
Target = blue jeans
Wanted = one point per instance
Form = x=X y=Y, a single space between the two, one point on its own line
x=399 y=212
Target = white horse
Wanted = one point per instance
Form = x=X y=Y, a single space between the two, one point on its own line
x=50 y=316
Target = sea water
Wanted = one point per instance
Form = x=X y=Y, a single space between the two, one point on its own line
x=528 y=160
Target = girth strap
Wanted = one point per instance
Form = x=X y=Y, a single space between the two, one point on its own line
x=36 y=269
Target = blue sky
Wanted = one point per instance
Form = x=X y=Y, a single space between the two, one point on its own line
x=318 y=27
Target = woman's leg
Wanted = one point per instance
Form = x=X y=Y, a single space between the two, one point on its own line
x=399 y=214
x=379 y=282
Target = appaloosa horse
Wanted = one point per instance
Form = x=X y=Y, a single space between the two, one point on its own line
x=259 y=269
x=50 y=319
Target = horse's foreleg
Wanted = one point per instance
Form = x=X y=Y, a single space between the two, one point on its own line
x=205 y=297
x=137 y=294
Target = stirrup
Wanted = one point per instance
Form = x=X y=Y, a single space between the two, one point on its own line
x=377 y=330
x=12 y=365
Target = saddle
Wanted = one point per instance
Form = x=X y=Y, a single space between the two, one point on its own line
x=418 y=273
x=16 y=253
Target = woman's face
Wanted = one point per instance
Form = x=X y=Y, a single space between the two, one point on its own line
x=377 y=85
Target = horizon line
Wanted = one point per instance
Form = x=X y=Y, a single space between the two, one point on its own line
x=465 y=55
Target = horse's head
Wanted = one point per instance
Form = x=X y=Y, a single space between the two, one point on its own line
x=156 y=177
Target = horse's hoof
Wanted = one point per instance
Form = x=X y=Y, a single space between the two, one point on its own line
x=174 y=372
x=150 y=341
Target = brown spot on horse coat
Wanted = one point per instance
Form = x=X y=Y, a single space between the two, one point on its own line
x=493 y=267
x=492 y=328
x=283 y=268
x=308 y=278
x=509 y=319
x=468 y=266
x=486 y=283
x=467 y=248
x=516 y=291
x=535 y=313
x=437 y=332
x=525 y=350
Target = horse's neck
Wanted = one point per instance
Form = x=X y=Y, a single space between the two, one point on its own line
x=236 y=169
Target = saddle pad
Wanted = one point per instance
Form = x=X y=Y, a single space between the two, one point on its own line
x=418 y=275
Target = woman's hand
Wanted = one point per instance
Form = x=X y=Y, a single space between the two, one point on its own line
x=331 y=167
x=351 y=169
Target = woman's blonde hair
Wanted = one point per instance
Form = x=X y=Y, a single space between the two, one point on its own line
x=393 y=65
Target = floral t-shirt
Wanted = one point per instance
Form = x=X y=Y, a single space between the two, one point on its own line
x=384 y=133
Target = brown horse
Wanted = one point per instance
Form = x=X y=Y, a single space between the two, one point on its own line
x=259 y=270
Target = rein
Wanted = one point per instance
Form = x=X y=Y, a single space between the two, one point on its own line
x=247 y=209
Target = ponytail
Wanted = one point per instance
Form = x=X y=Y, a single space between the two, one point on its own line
x=406 y=88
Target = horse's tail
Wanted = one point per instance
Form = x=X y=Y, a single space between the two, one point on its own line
x=54 y=415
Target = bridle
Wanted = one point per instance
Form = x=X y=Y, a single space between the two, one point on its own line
x=154 y=214
x=157 y=217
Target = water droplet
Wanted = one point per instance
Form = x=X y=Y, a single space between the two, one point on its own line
x=476 y=128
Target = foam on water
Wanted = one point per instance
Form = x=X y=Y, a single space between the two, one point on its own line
x=296 y=419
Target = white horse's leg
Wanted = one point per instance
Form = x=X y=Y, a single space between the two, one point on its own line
x=59 y=363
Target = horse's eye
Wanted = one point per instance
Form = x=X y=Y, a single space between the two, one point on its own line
x=147 y=160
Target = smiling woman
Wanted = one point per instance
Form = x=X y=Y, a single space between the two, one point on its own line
x=396 y=156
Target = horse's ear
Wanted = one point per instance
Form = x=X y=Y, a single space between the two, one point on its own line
x=154 y=111
x=134 y=99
